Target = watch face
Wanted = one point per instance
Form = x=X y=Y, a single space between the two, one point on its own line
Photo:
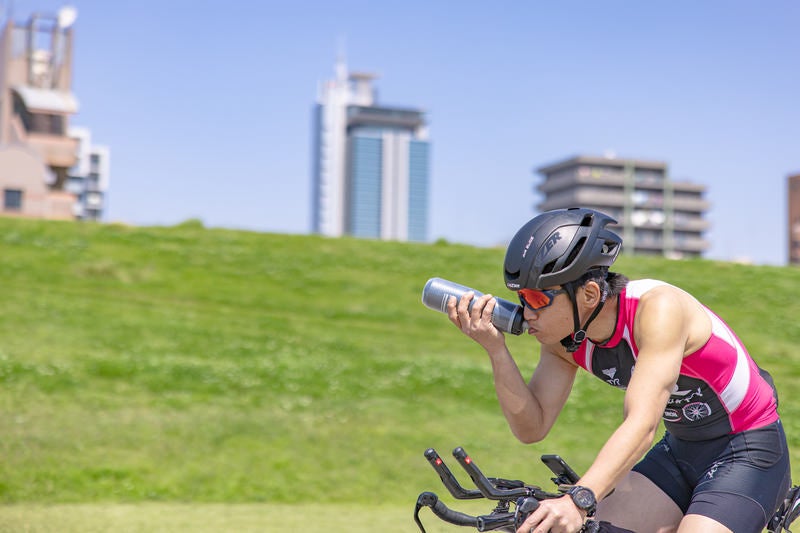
x=583 y=498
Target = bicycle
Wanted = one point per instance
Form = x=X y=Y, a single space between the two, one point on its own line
x=517 y=499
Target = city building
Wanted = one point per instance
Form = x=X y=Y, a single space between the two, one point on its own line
x=656 y=215
x=370 y=163
x=37 y=151
x=794 y=219
x=88 y=179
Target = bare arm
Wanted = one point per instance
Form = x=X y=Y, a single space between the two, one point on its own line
x=662 y=335
x=530 y=408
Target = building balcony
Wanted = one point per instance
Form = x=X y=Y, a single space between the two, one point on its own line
x=692 y=245
x=56 y=150
x=689 y=247
x=693 y=224
x=689 y=204
x=615 y=198
x=584 y=197
x=570 y=181
x=576 y=179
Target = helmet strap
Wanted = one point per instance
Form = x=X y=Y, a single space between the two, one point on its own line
x=574 y=341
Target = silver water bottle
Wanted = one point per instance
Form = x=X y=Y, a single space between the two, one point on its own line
x=507 y=316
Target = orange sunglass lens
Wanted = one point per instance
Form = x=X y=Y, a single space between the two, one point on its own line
x=536 y=299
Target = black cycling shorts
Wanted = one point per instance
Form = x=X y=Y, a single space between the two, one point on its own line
x=738 y=480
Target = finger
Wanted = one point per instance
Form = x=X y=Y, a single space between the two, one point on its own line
x=541 y=527
x=535 y=523
x=452 y=309
x=463 y=304
x=488 y=309
x=478 y=306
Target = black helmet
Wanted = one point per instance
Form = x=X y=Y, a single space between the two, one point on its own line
x=558 y=247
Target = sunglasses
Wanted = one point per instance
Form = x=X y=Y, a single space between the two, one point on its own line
x=536 y=300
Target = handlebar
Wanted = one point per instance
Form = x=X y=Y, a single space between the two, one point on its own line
x=448 y=479
x=501 y=521
x=524 y=498
x=482 y=482
x=429 y=499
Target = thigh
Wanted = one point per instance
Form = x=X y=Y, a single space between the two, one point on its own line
x=639 y=505
x=747 y=482
x=701 y=524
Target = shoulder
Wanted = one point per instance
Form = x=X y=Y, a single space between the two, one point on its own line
x=667 y=314
x=664 y=301
x=638 y=288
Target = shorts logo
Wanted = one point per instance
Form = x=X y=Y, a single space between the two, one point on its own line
x=713 y=470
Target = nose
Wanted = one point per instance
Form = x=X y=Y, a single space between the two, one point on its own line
x=529 y=314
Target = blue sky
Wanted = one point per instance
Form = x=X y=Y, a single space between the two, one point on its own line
x=206 y=107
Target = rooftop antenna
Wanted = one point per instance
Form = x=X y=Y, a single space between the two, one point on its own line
x=341 y=59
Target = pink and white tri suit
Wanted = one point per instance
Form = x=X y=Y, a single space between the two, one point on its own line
x=720 y=389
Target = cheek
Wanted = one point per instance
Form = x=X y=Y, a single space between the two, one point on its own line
x=554 y=322
x=558 y=321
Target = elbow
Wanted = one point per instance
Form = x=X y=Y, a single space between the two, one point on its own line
x=646 y=431
x=529 y=436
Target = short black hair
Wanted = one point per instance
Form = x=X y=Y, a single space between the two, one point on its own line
x=612 y=282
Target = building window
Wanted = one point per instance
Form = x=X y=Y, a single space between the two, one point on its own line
x=12 y=200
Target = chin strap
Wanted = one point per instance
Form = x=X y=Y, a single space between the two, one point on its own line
x=574 y=341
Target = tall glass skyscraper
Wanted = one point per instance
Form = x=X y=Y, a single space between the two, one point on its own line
x=370 y=164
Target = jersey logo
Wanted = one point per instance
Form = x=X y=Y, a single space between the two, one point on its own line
x=696 y=410
x=611 y=372
x=685 y=396
x=671 y=415
x=676 y=392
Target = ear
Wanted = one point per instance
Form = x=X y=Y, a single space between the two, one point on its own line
x=591 y=293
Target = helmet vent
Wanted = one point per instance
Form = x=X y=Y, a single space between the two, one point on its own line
x=575 y=252
x=587 y=220
x=609 y=247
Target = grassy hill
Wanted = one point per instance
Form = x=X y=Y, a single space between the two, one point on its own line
x=185 y=364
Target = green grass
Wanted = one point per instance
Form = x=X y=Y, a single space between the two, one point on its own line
x=166 y=366
x=238 y=518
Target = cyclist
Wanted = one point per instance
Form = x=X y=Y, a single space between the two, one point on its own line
x=723 y=463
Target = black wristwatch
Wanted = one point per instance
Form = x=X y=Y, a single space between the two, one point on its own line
x=584 y=499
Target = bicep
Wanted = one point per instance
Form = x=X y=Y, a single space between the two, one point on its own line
x=661 y=335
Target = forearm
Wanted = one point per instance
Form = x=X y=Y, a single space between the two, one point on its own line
x=626 y=446
x=523 y=411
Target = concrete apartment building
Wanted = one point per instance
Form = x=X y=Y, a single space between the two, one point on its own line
x=656 y=216
x=88 y=179
x=37 y=152
x=793 y=219
x=370 y=163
